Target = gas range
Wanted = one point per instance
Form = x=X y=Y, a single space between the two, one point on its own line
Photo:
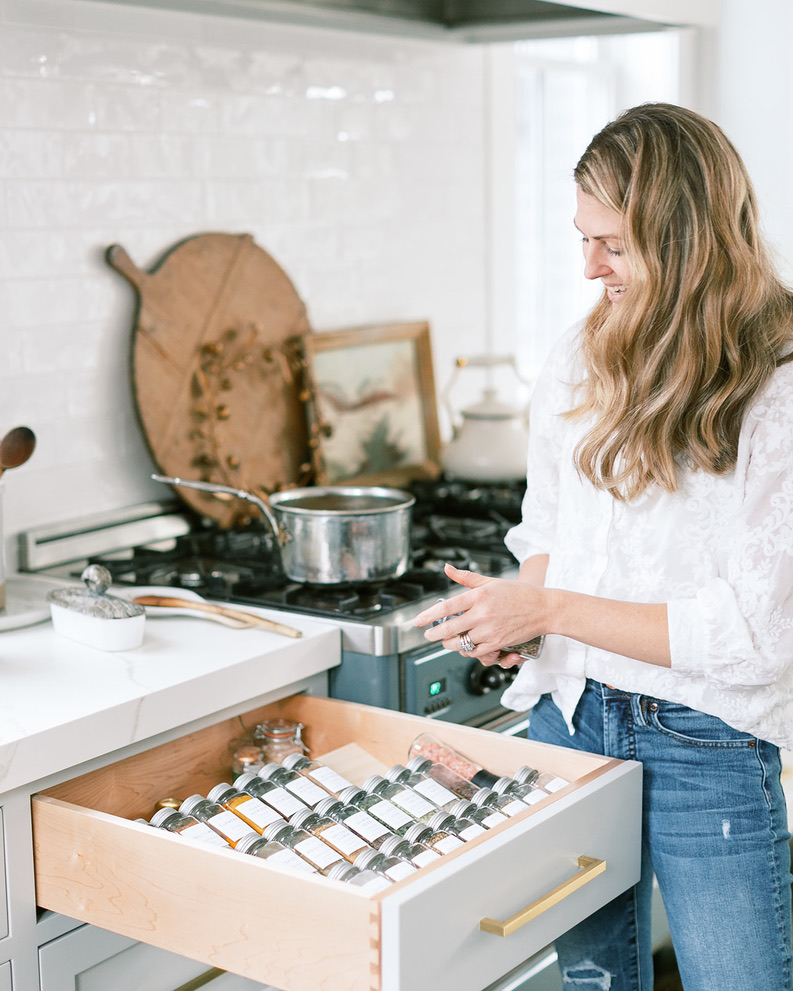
x=383 y=653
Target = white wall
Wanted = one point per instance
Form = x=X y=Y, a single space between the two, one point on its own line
x=356 y=161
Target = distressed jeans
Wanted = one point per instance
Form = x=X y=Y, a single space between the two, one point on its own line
x=714 y=833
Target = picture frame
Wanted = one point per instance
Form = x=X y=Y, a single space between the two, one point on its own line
x=373 y=405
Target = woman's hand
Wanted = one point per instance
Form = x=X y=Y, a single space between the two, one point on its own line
x=493 y=612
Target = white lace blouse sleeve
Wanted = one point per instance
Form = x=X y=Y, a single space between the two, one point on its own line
x=737 y=630
x=535 y=533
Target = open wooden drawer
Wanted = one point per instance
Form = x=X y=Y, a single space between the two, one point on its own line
x=308 y=933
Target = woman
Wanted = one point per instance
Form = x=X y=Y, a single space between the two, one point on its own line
x=656 y=551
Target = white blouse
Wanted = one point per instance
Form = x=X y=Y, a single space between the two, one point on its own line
x=719 y=552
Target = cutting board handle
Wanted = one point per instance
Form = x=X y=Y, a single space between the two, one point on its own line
x=118 y=259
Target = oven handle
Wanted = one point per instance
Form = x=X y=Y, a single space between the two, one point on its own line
x=588 y=868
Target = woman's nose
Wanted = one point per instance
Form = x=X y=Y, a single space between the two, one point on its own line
x=596 y=265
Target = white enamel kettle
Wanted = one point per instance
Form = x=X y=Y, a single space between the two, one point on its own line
x=490 y=438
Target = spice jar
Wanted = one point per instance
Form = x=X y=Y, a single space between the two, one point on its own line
x=436 y=839
x=367 y=827
x=404 y=798
x=188 y=827
x=296 y=784
x=312 y=850
x=417 y=778
x=317 y=772
x=528 y=793
x=485 y=816
x=445 y=776
x=284 y=803
x=365 y=879
x=391 y=867
x=462 y=828
x=247 y=759
x=426 y=745
x=379 y=808
x=343 y=840
x=275 y=853
x=225 y=823
x=251 y=810
x=506 y=804
x=544 y=779
x=279 y=737
x=414 y=853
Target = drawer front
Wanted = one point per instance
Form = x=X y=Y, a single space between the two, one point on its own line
x=304 y=933
x=5 y=977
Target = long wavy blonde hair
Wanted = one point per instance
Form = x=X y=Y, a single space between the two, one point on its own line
x=705 y=320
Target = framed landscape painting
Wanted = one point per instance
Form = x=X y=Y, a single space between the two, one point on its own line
x=374 y=409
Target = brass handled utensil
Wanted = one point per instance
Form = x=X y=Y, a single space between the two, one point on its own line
x=248 y=618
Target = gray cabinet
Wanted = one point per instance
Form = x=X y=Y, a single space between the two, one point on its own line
x=3 y=900
x=92 y=959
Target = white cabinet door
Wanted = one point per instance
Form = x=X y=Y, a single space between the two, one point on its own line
x=92 y=959
x=5 y=977
x=3 y=902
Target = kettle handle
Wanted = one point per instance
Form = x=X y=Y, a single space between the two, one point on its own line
x=476 y=361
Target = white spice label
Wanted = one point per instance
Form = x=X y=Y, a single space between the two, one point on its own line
x=285 y=858
x=283 y=802
x=367 y=827
x=514 y=807
x=390 y=815
x=555 y=784
x=200 y=833
x=494 y=819
x=534 y=796
x=471 y=831
x=436 y=793
x=257 y=813
x=317 y=852
x=426 y=857
x=307 y=791
x=377 y=883
x=448 y=843
x=343 y=839
x=413 y=804
x=398 y=871
x=329 y=779
x=229 y=825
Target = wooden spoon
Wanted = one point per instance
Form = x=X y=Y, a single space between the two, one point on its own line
x=16 y=447
x=207 y=607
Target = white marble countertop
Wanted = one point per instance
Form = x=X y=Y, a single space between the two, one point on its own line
x=62 y=703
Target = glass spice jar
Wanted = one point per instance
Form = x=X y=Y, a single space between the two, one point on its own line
x=417 y=807
x=297 y=784
x=367 y=827
x=487 y=817
x=462 y=828
x=225 y=823
x=275 y=853
x=343 y=840
x=313 y=850
x=379 y=808
x=284 y=803
x=188 y=827
x=415 y=853
x=507 y=804
x=392 y=867
x=252 y=810
x=543 y=779
x=436 y=839
x=445 y=776
x=317 y=772
x=528 y=792
x=365 y=879
x=417 y=778
x=426 y=745
x=279 y=737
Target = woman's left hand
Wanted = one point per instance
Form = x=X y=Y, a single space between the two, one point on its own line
x=493 y=612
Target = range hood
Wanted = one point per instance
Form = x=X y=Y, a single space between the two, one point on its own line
x=465 y=20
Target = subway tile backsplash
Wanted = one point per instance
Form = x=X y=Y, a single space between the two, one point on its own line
x=355 y=160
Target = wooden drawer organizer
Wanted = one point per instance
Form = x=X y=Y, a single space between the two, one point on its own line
x=304 y=933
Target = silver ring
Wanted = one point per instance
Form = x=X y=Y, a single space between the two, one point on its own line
x=466 y=643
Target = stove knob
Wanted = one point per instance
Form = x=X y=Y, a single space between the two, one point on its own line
x=482 y=680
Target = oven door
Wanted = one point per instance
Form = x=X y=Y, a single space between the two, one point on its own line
x=442 y=684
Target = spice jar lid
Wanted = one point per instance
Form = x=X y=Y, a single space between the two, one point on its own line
x=291 y=759
x=247 y=841
x=163 y=815
x=300 y=818
x=218 y=790
x=417 y=833
x=93 y=600
x=441 y=820
x=351 y=794
x=278 y=729
x=395 y=773
x=418 y=764
x=525 y=775
x=327 y=805
x=462 y=808
x=191 y=803
x=390 y=845
x=371 y=783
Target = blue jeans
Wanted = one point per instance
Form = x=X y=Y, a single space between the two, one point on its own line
x=714 y=833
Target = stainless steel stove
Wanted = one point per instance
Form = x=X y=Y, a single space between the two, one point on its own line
x=385 y=659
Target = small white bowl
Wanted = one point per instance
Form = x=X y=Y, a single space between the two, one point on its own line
x=123 y=633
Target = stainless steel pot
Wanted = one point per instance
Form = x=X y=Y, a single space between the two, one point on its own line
x=332 y=535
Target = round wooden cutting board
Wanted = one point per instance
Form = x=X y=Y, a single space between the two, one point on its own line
x=217 y=367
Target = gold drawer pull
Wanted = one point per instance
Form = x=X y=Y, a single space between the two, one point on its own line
x=589 y=867
x=201 y=980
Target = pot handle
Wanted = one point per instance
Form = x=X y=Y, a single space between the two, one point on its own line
x=227 y=490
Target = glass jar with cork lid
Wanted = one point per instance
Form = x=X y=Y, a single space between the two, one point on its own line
x=277 y=738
